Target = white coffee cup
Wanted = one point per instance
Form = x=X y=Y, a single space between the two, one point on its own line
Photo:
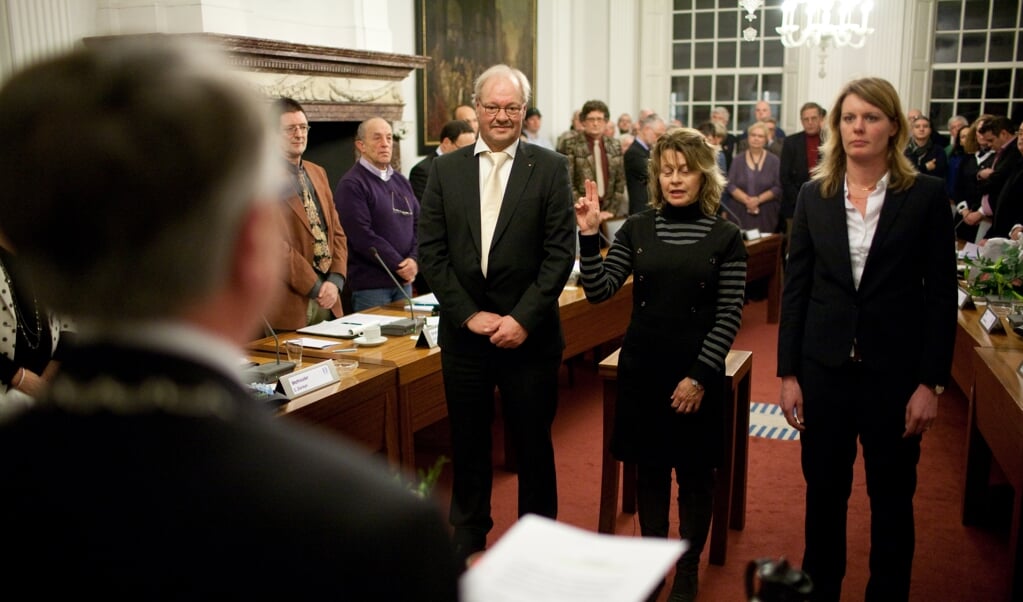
x=371 y=332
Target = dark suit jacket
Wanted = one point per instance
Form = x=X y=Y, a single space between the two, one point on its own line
x=531 y=255
x=419 y=173
x=902 y=316
x=1009 y=207
x=637 y=160
x=793 y=171
x=239 y=504
x=1004 y=165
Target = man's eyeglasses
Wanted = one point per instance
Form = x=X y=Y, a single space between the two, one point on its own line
x=594 y=120
x=291 y=130
x=510 y=111
x=407 y=211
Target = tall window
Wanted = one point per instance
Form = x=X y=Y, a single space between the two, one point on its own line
x=977 y=49
x=712 y=65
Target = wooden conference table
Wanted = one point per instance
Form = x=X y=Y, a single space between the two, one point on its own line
x=730 y=487
x=764 y=261
x=419 y=386
x=996 y=433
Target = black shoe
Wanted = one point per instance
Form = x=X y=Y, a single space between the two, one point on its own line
x=684 y=588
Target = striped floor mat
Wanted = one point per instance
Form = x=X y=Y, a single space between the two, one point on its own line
x=766 y=420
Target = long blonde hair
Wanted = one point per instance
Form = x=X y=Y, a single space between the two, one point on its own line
x=830 y=172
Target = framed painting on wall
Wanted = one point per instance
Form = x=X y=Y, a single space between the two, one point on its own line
x=463 y=38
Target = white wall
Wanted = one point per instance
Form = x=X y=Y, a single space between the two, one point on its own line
x=614 y=50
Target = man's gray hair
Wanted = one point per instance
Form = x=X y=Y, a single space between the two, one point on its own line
x=127 y=167
x=720 y=111
x=505 y=71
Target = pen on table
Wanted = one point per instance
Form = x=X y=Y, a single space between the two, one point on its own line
x=345 y=350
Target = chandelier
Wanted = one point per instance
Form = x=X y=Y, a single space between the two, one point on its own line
x=817 y=23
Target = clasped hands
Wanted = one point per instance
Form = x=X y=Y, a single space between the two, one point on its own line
x=505 y=332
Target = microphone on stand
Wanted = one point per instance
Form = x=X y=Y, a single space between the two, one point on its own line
x=399 y=327
x=269 y=371
x=959 y=209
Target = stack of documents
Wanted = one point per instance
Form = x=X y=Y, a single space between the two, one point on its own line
x=347 y=327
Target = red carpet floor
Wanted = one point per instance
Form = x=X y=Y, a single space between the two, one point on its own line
x=952 y=562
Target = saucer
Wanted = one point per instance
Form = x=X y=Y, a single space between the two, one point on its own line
x=363 y=341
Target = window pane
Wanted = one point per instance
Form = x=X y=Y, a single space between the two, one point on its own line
x=774 y=54
x=728 y=24
x=975 y=14
x=681 y=112
x=1017 y=110
x=683 y=4
x=726 y=54
x=998 y=83
x=1017 y=88
x=948 y=15
x=703 y=55
x=946 y=48
x=1001 y=46
x=704 y=4
x=941 y=112
x=701 y=113
x=771 y=88
x=682 y=27
x=725 y=87
x=749 y=54
x=974 y=47
x=704 y=26
x=747 y=90
x=943 y=84
x=681 y=55
x=996 y=108
x=969 y=110
x=701 y=88
x=771 y=20
x=680 y=88
x=1005 y=16
x=746 y=117
x=971 y=83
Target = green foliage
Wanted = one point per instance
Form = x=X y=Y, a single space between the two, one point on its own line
x=1002 y=277
x=426 y=480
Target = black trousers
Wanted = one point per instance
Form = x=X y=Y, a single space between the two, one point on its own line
x=842 y=404
x=529 y=399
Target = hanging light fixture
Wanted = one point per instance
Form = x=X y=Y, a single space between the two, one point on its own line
x=752 y=6
x=822 y=22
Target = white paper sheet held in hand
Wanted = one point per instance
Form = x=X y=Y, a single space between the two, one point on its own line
x=541 y=560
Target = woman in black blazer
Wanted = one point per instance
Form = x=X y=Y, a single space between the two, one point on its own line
x=866 y=335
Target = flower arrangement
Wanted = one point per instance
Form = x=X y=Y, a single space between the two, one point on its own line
x=997 y=271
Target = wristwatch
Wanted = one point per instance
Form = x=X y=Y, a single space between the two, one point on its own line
x=938 y=389
x=696 y=383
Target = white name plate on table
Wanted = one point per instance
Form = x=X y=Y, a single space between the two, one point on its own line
x=990 y=322
x=309 y=379
x=965 y=299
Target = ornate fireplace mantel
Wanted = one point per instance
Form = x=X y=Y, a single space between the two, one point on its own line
x=333 y=84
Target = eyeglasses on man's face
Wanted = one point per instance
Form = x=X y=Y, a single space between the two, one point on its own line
x=511 y=110
x=291 y=130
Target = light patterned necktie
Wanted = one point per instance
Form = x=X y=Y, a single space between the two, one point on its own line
x=598 y=168
x=490 y=205
x=321 y=251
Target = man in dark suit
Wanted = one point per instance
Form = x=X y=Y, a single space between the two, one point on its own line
x=799 y=154
x=499 y=319
x=454 y=135
x=637 y=159
x=147 y=471
x=1000 y=135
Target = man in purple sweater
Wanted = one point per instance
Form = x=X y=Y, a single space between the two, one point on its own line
x=379 y=213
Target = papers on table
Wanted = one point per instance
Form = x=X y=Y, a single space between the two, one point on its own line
x=315 y=343
x=349 y=326
x=540 y=560
x=427 y=302
x=969 y=251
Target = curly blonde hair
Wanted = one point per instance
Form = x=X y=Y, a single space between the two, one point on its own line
x=700 y=156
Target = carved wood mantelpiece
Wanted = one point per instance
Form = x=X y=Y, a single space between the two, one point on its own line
x=333 y=84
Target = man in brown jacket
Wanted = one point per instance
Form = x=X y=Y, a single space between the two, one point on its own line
x=316 y=245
